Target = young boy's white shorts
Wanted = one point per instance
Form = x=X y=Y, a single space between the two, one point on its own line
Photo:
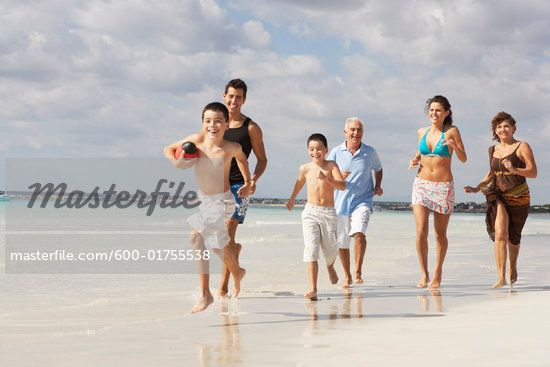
x=319 y=228
x=211 y=220
x=348 y=225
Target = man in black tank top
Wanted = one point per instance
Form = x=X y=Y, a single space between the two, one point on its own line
x=247 y=133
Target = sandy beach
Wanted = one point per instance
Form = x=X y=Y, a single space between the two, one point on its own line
x=144 y=320
x=386 y=326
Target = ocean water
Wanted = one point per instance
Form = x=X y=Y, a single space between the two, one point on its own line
x=271 y=238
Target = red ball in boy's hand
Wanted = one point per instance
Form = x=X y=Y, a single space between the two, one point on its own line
x=189 y=148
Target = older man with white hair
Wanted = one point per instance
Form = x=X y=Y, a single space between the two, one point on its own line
x=357 y=161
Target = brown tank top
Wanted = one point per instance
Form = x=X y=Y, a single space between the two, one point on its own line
x=504 y=179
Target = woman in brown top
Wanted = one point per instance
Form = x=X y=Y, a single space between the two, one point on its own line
x=507 y=193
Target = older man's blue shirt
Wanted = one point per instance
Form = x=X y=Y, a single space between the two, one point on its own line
x=359 y=184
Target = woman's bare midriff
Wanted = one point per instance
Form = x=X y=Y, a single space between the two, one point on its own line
x=435 y=169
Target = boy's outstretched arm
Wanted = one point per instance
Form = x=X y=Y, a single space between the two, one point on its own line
x=297 y=187
x=181 y=162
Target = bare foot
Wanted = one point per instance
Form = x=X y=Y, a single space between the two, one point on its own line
x=513 y=275
x=436 y=282
x=224 y=294
x=224 y=290
x=358 y=278
x=312 y=296
x=423 y=283
x=347 y=283
x=237 y=282
x=332 y=274
x=499 y=284
x=202 y=303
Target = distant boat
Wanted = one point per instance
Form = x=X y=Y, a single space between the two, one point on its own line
x=4 y=197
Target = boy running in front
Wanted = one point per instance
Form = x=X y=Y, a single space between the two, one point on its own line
x=319 y=218
x=217 y=202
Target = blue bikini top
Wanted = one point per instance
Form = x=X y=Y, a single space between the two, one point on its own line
x=440 y=150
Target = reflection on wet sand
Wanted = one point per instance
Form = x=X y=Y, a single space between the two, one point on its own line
x=436 y=298
x=229 y=351
x=357 y=305
x=346 y=311
x=351 y=308
x=322 y=315
x=503 y=295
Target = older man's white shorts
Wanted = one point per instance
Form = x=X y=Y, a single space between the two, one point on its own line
x=348 y=225
x=319 y=227
x=211 y=220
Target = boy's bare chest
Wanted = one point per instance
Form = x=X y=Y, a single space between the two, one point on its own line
x=213 y=153
x=312 y=175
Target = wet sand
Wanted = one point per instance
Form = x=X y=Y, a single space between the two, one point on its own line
x=383 y=325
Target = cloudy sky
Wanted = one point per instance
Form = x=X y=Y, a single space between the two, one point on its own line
x=124 y=78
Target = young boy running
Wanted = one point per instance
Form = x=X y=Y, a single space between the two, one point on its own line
x=217 y=201
x=319 y=218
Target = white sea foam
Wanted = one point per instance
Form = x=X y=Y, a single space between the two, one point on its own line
x=260 y=223
x=46 y=233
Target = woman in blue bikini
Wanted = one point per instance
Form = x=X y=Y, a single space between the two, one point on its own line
x=433 y=189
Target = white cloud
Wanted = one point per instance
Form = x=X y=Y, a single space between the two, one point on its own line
x=302 y=30
x=211 y=10
x=256 y=33
x=299 y=65
x=362 y=68
x=258 y=65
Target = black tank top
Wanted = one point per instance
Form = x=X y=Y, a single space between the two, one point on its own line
x=239 y=135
